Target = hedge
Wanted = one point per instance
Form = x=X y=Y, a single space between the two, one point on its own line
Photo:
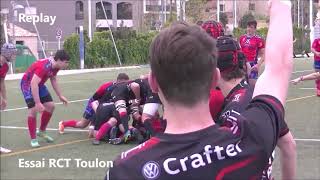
x=132 y=47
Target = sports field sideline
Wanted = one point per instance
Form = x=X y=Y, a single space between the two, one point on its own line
x=302 y=116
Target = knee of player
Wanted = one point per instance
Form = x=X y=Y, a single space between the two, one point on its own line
x=49 y=106
x=32 y=112
x=83 y=123
x=113 y=121
x=134 y=86
x=146 y=116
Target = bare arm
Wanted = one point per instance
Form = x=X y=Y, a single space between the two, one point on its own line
x=311 y=76
x=57 y=89
x=55 y=86
x=261 y=60
x=3 y=94
x=288 y=156
x=35 y=88
x=314 y=51
x=135 y=87
x=278 y=64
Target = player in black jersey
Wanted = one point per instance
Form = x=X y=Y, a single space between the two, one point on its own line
x=238 y=94
x=183 y=70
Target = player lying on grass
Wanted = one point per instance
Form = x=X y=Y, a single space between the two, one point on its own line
x=106 y=117
x=88 y=114
x=37 y=96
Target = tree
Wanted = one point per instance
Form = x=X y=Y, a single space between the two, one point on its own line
x=195 y=9
x=245 y=19
x=224 y=18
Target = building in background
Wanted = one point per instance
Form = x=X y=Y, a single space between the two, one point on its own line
x=65 y=17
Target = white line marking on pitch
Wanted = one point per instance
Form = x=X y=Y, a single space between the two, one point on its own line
x=314 y=140
x=307 y=88
x=66 y=82
x=302 y=71
x=6 y=110
x=49 y=129
x=84 y=130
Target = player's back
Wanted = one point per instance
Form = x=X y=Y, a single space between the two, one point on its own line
x=210 y=153
x=42 y=68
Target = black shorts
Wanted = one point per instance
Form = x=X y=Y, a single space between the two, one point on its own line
x=120 y=92
x=104 y=112
x=144 y=88
x=30 y=102
x=152 y=98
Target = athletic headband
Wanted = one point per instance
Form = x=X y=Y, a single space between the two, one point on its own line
x=8 y=50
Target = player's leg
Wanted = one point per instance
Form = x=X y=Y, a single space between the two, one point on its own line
x=136 y=114
x=317 y=69
x=47 y=102
x=253 y=75
x=32 y=114
x=83 y=123
x=32 y=123
x=149 y=111
x=103 y=115
x=104 y=129
x=124 y=118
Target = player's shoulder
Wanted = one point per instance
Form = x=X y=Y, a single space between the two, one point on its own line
x=4 y=66
x=317 y=40
x=243 y=36
x=140 y=149
x=258 y=37
x=43 y=63
x=108 y=83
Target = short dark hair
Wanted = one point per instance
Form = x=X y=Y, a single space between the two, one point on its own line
x=183 y=58
x=122 y=76
x=62 y=55
x=252 y=22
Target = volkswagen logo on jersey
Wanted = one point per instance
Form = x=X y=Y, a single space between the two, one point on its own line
x=151 y=170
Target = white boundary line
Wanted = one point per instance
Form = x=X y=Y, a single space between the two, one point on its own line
x=49 y=129
x=7 y=110
x=312 y=140
x=81 y=71
x=307 y=88
x=302 y=71
x=84 y=130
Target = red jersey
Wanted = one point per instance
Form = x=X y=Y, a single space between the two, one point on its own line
x=215 y=102
x=102 y=89
x=3 y=70
x=316 y=46
x=42 y=68
x=250 y=46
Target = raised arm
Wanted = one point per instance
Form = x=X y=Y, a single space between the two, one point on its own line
x=274 y=80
